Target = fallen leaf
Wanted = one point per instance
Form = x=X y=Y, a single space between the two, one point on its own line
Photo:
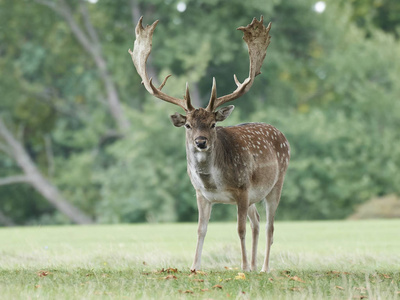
x=194 y=273
x=226 y=279
x=43 y=273
x=240 y=276
x=169 y=270
x=204 y=290
x=271 y=279
x=198 y=280
x=386 y=276
x=217 y=286
x=186 y=292
x=339 y=287
x=201 y=272
x=296 y=278
x=296 y=288
x=333 y=272
x=38 y=286
x=170 y=277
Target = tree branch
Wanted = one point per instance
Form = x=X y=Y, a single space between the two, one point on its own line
x=49 y=191
x=49 y=155
x=14 y=179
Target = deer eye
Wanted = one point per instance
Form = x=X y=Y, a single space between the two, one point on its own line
x=187 y=126
x=213 y=125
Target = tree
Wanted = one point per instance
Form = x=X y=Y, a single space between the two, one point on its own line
x=34 y=177
x=90 y=41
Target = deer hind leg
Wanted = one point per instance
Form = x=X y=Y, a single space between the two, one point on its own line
x=242 y=208
x=272 y=201
x=254 y=217
x=204 y=207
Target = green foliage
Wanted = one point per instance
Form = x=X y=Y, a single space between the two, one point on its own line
x=336 y=163
x=146 y=178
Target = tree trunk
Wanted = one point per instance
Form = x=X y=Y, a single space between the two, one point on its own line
x=34 y=177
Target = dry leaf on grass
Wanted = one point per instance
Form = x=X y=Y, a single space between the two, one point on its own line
x=240 y=276
x=201 y=273
x=195 y=272
x=217 y=286
x=186 y=292
x=170 y=277
x=339 y=287
x=169 y=270
x=43 y=273
x=298 y=279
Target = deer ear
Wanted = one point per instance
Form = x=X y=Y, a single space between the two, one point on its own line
x=223 y=113
x=178 y=120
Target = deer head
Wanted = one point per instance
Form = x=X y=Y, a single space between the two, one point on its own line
x=200 y=123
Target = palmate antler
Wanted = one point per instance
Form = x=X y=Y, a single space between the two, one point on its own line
x=257 y=39
x=256 y=36
x=140 y=54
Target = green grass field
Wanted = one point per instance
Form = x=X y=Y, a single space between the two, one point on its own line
x=310 y=260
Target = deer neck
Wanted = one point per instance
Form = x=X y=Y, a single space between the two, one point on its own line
x=201 y=162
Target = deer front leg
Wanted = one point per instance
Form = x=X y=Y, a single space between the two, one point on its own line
x=204 y=207
x=255 y=228
x=242 y=207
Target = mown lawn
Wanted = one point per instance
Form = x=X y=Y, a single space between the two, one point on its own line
x=310 y=260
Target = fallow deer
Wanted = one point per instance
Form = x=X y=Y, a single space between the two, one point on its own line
x=240 y=165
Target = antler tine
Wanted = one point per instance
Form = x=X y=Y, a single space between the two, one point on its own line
x=257 y=38
x=141 y=51
x=211 y=103
x=187 y=98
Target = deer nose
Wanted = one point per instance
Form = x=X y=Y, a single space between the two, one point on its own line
x=201 y=142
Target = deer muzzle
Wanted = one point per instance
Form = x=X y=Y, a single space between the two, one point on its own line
x=201 y=143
